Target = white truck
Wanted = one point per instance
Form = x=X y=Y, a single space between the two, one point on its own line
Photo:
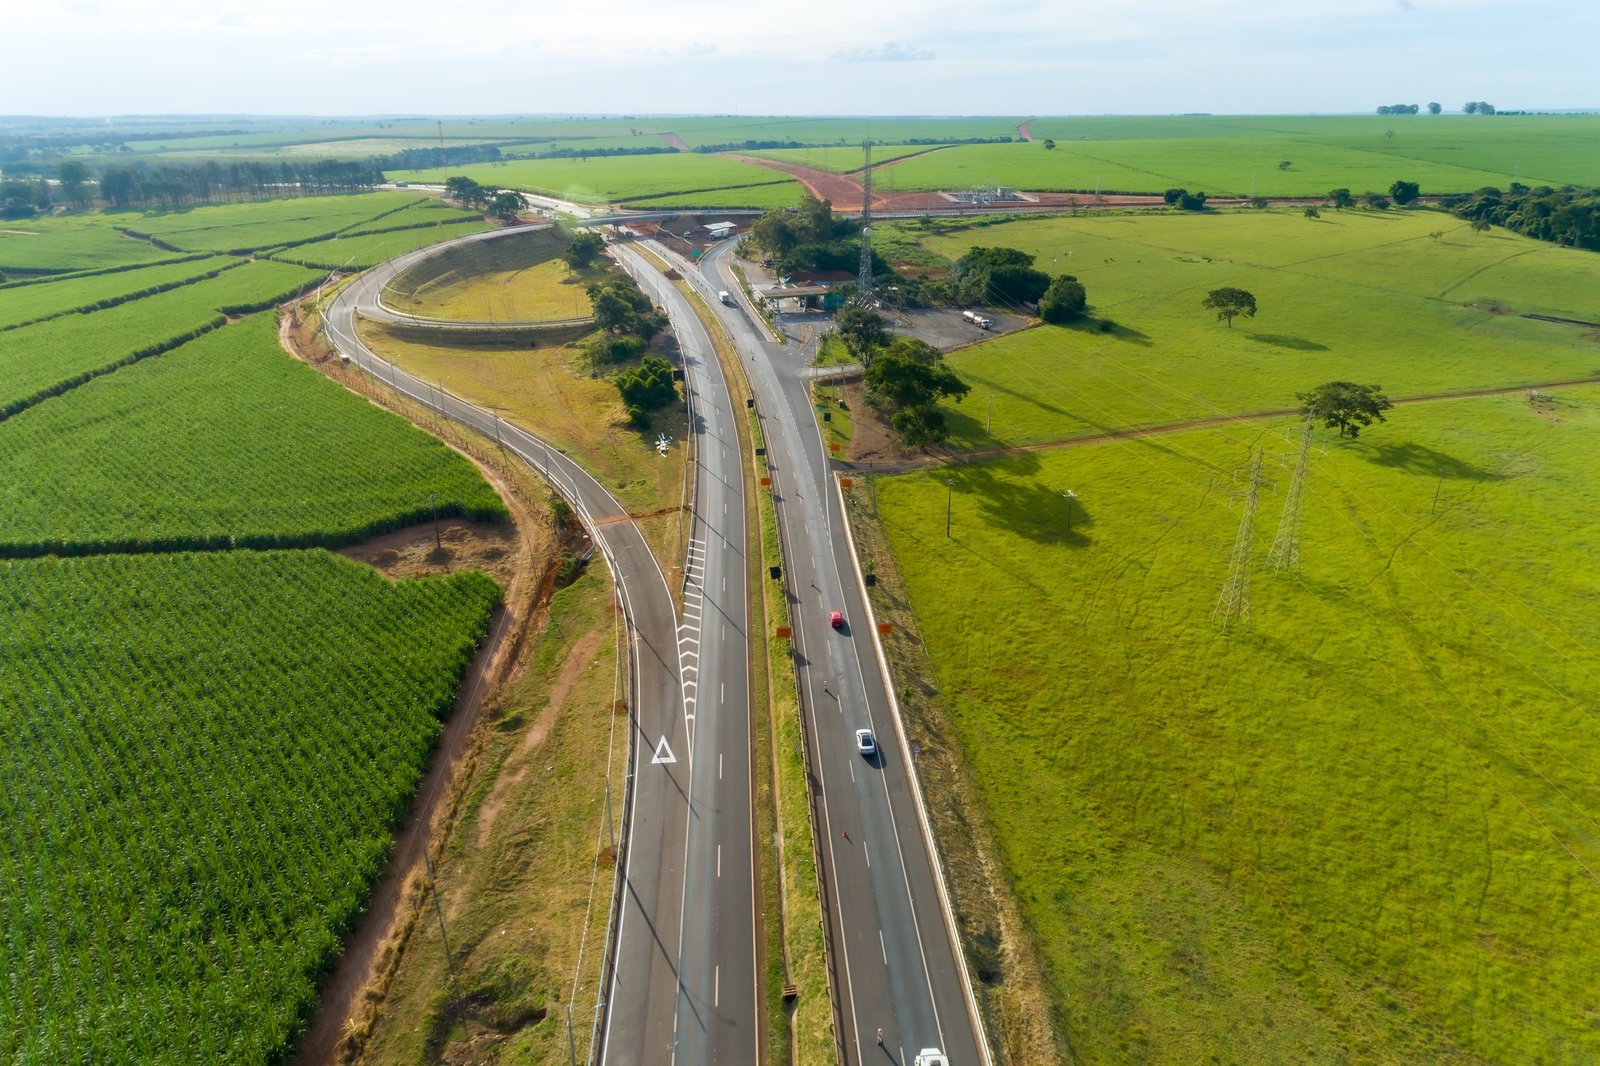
x=930 y=1056
x=976 y=319
x=726 y=297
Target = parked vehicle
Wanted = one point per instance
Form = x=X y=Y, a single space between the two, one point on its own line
x=976 y=319
x=726 y=297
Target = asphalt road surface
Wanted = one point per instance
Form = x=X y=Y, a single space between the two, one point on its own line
x=896 y=964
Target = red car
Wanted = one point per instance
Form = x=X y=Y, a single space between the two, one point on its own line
x=836 y=619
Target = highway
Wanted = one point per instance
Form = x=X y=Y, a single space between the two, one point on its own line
x=896 y=961
x=683 y=983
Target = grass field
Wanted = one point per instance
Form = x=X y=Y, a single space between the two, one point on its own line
x=221 y=442
x=838 y=159
x=606 y=179
x=550 y=391
x=1356 y=295
x=542 y=292
x=204 y=757
x=1240 y=156
x=1361 y=827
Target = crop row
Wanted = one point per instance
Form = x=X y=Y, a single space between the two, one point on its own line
x=51 y=357
x=204 y=757
x=53 y=246
x=241 y=228
x=31 y=304
x=362 y=250
x=224 y=442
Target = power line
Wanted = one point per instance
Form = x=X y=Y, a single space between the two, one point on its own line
x=864 y=280
x=1285 y=551
x=1234 y=600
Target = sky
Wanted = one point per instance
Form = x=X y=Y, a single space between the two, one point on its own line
x=817 y=57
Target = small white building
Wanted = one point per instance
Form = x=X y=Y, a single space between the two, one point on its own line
x=720 y=231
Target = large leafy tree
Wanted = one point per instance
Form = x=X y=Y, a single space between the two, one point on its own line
x=505 y=206
x=1229 y=303
x=1404 y=192
x=74 y=178
x=463 y=190
x=582 y=249
x=862 y=330
x=911 y=388
x=1064 y=300
x=1346 y=405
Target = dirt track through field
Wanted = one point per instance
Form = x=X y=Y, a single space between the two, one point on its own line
x=900 y=466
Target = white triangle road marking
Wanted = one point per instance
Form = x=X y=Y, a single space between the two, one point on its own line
x=663 y=753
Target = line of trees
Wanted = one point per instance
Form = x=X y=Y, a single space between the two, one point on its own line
x=807 y=238
x=1568 y=215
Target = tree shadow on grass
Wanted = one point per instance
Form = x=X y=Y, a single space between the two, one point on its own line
x=1420 y=459
x=1105 y=327
x=1008 y=498
x=1280 y=340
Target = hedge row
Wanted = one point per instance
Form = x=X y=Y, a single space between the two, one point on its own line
x=292 y=293
x=73 y=275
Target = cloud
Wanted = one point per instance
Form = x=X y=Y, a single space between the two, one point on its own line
x=887 y=52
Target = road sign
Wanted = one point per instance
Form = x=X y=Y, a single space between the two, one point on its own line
x=663 y=753
x=766 y=481
x=845 y=483
x=784 y=633
x=833 y=447
x=885 y=628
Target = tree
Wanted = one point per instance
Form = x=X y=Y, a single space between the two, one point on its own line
x=1404 y=192
x=465 y=191
x=1346 y=405
x=1003 y=274
x=1470 y=107
x=646 y=387
x=74 y=178
x=505 y=206
x=119 y=186
x=1341 y=198
x=1063 y=301
x=1286 y=164
x=1435 y=108
x=1192 y=202
x=1049 y=145
x=862 y=330
x=1017 y=284
x=582 y=249
x=912 y=389
x=1229 y=303
x=1172 y=196
x=1480 y=225
x=1376 y=200
x=1312 y=212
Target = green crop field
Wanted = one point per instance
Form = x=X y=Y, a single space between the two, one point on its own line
x=783 y=193
x=1363 y=826
x=204 y=758
x=222 y=442
x=1236 y=157
x=45 y=359
x=603 y=180
x=206 y=754
x=427 y=211
x=267 y=223
x=362 y=250
x=35 y=301
x=57 y=246
x=1355 y=295
x=839 y=160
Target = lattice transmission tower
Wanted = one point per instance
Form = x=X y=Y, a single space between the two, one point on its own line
x=1233 y=602
x=864 y=282
x=1285 y=551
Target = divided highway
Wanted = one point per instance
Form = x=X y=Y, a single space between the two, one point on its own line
x=897 y=964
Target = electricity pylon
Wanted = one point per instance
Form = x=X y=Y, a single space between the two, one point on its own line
x=1285 y=551
x=1234 y=600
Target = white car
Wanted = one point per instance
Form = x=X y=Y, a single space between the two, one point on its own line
x=930 y=1056
x=865 y=744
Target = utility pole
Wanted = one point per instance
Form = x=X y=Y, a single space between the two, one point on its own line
x=1234 y=600
x=949 y=491
x=1069 y=496
x=1285 y=552
x=864 y=280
